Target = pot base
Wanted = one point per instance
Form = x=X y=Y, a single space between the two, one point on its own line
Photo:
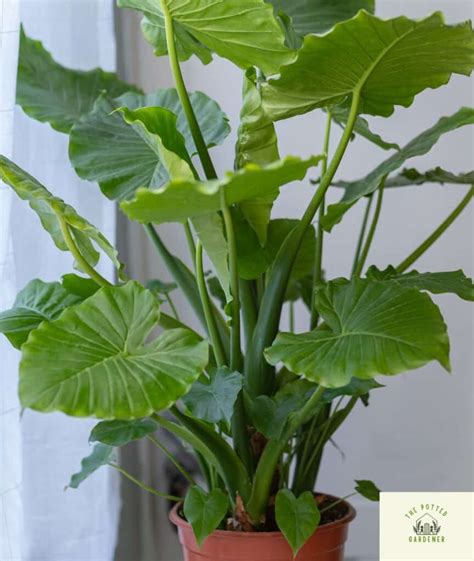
x=326 y=544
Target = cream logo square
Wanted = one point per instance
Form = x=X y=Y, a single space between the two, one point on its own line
x=427 y=526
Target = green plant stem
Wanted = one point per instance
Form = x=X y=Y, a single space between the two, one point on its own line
x=172 y=306
x=71 y=244
x=206 y=304
x=196 y=133
x=430 y=240
x=260 y=375
x=172 y=459
x=318 y=258
x=361 y=238
x=373 y=227
x=190 y=241
x=292 y=317
x=249 y=309
x=338 y=502
x=271 y=456
x=145 y=487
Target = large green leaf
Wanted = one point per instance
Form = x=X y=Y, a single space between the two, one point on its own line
x=243 y=31
x=37 y=302
x=319 y=16
x=437 y=175
x=205 y=511
x=101 y=455
x=454 y=282
x=54 y=214
x=387 y=61
x=420 y=145
x=214 y=401
x=49 y=92
x=370 y=328
x=120 y=157
x=94 y=359
x=257 y=143
x=119 y=433
x=179 y=200
x=297 y=518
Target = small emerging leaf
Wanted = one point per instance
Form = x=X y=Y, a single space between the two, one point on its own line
x=297 y=518
x=101 y=455
x=205 y=511
x=119 y=433
x=79 y=286
x=368 y=489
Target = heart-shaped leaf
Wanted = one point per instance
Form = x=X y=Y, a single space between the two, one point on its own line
x=297 y=518
x=55 y=214
x=49 y=92
x=420 y=145
x=387 y=62
x=105 y=148
x=370 y=328
x=454 y=282
x=37 y=302
x=79 y=286
x=214 y=402
x=180 y=200
x=93 y=360
x=318 y=16
x=368 y=489
x=243 y=31
x=101 y=455
x=119 y=433
x=205 y=511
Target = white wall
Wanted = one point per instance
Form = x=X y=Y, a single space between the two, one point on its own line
x=417 y=433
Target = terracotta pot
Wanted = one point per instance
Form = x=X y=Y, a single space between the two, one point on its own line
x=326 y=544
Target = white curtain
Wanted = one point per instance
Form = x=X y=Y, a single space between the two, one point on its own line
x=40 y=452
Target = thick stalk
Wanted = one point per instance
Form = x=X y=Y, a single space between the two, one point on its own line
x=274 y=449
x=318 y=258
x=240 y=434
x=259 y=375
x=145 y=487
x=430 y=240
x=190 y=241
x=71 y=244
x=363 y=229
x=249 y=309
x=184 y=97
x=371 y=234
x=206 y=304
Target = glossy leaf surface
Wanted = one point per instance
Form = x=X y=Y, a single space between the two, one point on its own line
x=243 y=31
x=94 y=359
x=369 y=328
x=387 y=61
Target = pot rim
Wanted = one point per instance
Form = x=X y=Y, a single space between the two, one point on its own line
x=178 y=521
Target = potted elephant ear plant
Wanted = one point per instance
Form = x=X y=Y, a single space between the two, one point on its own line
x=255 y=405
